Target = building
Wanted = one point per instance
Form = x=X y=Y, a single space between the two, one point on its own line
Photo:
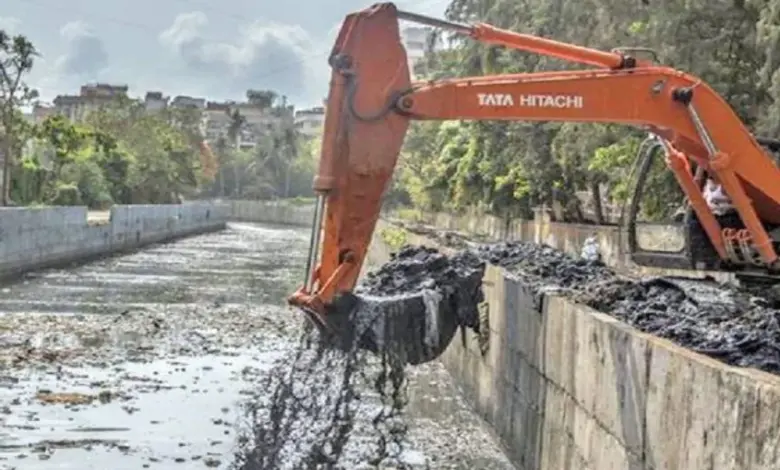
x=182 y=101
x=155 y=101
x=215 y=117
x=258 y=122
x=309 y=122
x=40 y=112
x=415 y=40
x=216 y=121
x=91 y=97
x=103 y=90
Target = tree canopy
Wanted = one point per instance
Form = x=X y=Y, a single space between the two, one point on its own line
x=508 y=168
x=17 y=55
x=122 y=153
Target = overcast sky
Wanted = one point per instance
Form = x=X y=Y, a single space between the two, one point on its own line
x=210 y=48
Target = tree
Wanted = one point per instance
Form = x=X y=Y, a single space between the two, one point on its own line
x=263 y=99
x=507 y=168
x=17 y=55
x=237 y=122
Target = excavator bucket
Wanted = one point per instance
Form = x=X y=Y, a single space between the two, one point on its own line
x=409 y=308
x=412 y=328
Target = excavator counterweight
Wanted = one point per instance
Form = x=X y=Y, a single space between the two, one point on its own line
x=372 y=100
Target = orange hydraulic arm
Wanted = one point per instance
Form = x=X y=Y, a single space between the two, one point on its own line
x=372 y=100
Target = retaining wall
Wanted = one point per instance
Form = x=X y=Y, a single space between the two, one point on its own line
x=570 y=238
x=271 y=212
x=569 y=388
x=35 y=238
x=566 y=237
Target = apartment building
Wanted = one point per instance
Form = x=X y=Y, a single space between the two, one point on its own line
x=415 y=40
x=216 y=121
x=216 y=117
x=309 y=122
x=183 y=101
x=90 y=98
x=155 y=101
x=257 y=122
x=41 y=111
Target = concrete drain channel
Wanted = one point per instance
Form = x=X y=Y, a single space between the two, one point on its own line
x=170 y=357
x=184 y=356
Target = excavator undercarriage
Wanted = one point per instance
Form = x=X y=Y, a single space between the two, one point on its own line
x=372 y=100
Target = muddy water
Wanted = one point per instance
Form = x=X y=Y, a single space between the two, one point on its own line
x=141 y=361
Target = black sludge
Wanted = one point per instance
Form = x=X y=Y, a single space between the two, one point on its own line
x=729 y=324
x=412 y=306
x=540 y=263
x=331 y=407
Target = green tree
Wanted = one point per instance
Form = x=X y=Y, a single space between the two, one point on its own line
x=163 y=164
x=263 y=99
x=237 y=124
x=507 y=168
x=17 y=56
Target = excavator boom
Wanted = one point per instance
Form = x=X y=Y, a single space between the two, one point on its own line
x=372 y=101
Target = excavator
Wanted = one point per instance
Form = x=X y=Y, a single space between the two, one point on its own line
x=372 y=101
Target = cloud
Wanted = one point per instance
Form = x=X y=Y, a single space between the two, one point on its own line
x=10 y=24
x=85 y=57
x=263 y=55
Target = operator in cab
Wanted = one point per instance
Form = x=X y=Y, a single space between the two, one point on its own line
x=716 y=198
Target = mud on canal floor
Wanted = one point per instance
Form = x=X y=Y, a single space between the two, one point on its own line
x=142 y=361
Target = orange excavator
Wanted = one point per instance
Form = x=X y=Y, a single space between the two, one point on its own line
x=372 y=101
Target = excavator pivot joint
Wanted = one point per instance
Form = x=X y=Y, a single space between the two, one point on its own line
x=341 y=62
x=683 y=95
x=628 y=62
x=405 y=103
x=628 y=50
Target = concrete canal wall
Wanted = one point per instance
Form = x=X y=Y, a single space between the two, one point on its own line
x=35 y=238
x=272 y=212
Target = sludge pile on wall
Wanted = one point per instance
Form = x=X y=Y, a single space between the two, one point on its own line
x=341 y=407
x=735 y=326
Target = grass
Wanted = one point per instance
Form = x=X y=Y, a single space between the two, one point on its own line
x=409 y=214
x=394 y=237
x=300 y=201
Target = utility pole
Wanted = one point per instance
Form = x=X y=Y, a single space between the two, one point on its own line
x=3 y=171
x=236 y=173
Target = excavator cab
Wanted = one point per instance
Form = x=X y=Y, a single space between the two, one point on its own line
x=682 y=242
x=372 y=100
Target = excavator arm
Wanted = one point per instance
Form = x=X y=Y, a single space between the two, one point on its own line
x=372 y=101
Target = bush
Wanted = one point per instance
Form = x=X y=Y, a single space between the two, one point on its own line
x=66 y=194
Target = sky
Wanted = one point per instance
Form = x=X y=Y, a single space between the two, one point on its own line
x=209 y=48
